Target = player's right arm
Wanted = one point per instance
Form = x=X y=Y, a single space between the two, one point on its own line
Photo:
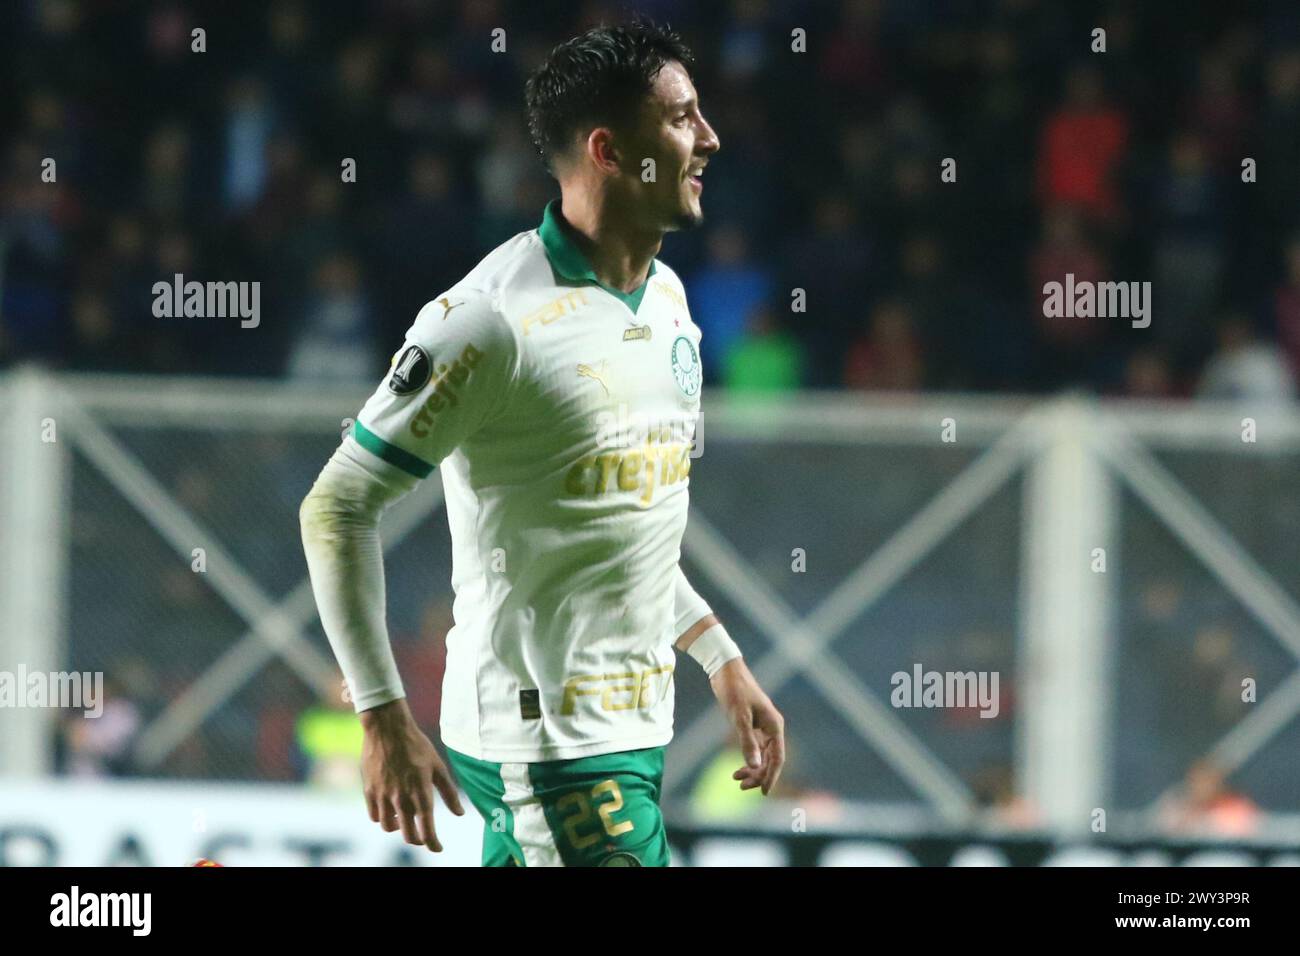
x=450 y=378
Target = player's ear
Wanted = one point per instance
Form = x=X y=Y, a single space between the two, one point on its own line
x=601 y=149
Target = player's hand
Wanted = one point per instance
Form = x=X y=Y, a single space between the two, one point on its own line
x=757 y=722
x=400 y=769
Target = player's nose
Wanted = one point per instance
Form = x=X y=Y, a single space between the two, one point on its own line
x=707 y=141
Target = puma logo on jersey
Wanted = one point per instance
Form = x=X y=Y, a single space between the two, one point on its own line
x=447 y=306
x=587 y=371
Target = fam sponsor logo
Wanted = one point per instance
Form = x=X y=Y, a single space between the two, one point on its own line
x=633 y=690
x=208 y=300
x=567 y=304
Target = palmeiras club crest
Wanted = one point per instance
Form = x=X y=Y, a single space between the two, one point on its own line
x=686 y=366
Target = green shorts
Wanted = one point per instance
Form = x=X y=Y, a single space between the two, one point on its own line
x=593 y=811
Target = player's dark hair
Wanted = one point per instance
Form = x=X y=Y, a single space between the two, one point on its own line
x=597 y=79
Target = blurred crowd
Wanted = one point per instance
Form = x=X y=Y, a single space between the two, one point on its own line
x=227 y=165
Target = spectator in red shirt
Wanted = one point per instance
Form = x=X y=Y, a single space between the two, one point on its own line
x=1082 y=145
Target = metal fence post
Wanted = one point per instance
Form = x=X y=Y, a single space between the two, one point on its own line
x=33 y=572
x=1066 y=623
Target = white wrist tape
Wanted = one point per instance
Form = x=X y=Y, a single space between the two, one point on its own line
x=713 y=648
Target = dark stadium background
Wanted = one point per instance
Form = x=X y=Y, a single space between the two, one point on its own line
x=225 y=165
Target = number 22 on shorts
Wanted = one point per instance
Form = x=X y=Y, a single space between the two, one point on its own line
x=583 y=803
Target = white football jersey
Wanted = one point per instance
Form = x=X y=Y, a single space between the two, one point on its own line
x=562 y=413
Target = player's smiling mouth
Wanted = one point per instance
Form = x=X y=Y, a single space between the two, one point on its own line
x=693 y=174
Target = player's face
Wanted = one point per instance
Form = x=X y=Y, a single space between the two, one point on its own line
x=673 y=132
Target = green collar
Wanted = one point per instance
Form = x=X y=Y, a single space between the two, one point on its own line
x=569 y=262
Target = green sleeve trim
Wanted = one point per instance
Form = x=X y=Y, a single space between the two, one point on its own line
x=395 y=456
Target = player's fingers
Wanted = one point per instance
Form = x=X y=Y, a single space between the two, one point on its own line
x=424 y=818
x=406 y=820
x=769 y=768
x=749 y=777
x=772 y=726
x=775 y=761
x=388 y=815
x=372 y=807
x=448 y=790
x=749 y=740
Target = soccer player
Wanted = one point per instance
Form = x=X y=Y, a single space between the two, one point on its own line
x=558 y=386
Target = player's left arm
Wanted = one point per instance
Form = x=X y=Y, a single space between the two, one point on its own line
x=758 y=723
